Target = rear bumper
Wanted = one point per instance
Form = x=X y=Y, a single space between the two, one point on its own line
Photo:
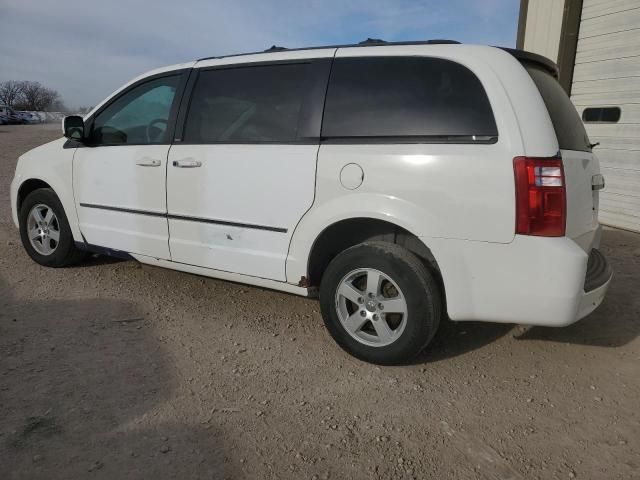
x=530 y=281
x=598 y=271
x=592 y=300
x=596 y=283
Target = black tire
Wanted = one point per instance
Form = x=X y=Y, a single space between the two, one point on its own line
x=420 y=290
x=65 y=253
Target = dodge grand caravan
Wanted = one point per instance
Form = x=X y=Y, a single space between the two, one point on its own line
x=400 y=182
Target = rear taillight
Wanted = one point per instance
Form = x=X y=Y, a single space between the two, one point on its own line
x=541 y=203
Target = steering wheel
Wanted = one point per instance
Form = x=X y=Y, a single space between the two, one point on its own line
x=154 y=138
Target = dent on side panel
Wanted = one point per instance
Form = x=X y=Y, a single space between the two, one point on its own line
x=251 y=185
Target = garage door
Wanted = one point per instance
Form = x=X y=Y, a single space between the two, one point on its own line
x=606 y=83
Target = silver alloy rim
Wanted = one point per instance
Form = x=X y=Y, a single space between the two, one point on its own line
x=371 y=307
x=43 y=229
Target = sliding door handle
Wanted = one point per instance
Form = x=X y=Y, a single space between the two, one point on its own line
x=187 y=163
x=149 y=162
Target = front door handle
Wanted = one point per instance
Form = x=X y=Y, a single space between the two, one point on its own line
x=148 y=162
x=187 y=163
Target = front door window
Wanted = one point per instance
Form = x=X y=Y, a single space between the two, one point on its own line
x=139 y=117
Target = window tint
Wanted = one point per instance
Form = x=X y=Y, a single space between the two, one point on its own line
x=601 y=114
x=406 y=96
x=140 y=116
x=566 y=121
x=247 y=104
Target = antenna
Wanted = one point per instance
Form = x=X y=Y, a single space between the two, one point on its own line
x=275 y=48
x=372 y=41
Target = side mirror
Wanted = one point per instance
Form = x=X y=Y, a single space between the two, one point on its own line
x=73 y=127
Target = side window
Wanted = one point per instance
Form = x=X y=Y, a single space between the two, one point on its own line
x=248 y=104
x=140 y=116
x=406 y=97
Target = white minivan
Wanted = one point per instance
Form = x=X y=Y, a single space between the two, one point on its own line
x=399 y=181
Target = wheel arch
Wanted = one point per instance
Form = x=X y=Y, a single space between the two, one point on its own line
x=62 y=191
x=27 y=187
x=348 y=232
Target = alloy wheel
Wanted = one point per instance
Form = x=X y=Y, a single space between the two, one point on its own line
x=371 y=307
x=43 y=229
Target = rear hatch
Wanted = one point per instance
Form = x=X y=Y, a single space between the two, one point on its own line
x=581 y=166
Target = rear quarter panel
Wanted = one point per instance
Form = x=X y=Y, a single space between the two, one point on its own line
x=435 y=191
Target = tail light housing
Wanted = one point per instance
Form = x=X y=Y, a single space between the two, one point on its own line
x=541 y=196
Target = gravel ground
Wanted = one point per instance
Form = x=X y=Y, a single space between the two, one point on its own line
x=112 y=370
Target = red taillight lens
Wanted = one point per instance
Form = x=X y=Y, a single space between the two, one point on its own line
x=541 y=204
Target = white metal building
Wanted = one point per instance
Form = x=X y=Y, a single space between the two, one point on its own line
x=596 y=44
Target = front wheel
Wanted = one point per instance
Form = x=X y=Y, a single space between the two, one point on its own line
x=380 y=303
x=45 y=231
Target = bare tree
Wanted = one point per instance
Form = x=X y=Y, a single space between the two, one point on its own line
x=10 y=92
x=34 y=96
x=26 y=95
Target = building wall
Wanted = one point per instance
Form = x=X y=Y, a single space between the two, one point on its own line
x=543 y=27
x=607 y=74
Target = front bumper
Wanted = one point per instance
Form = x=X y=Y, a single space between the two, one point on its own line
x=13 y=196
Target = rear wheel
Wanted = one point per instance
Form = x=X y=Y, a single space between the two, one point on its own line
x=45 y=231
x=380 y=303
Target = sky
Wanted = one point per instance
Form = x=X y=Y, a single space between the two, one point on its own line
x=86 y=49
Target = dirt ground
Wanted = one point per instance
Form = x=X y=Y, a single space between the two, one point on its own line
x=115 y=370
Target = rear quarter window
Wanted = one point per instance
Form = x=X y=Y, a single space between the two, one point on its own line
x=416 y=97
x=567 y=124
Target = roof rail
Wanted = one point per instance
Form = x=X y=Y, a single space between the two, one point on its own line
x=437 y=41
x=369 y=42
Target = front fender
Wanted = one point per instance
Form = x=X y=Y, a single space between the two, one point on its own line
x=13 y=196
x=53 y=165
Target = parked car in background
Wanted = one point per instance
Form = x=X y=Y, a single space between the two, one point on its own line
x=403 y=182
x=24 y=116
x=12 y=116
x=15 y=119
x=28 y=117
x=3 y=119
